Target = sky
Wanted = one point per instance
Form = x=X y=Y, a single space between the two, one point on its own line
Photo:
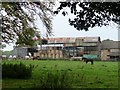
x=61 y=28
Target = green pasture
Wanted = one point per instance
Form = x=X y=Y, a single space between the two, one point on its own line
x=80 y=74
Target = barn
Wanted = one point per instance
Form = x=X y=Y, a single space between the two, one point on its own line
x=110 y=50
x=67 y=47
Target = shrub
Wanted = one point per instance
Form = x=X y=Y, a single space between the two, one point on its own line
x=18 y=71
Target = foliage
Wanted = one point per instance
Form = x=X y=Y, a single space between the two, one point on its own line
x=19 y=16
x=7 y=53
x=2 y=45
x=91 y=14
x=26 y=37
x=18 y=71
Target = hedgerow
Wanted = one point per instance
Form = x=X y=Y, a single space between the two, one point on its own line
x=17 y=71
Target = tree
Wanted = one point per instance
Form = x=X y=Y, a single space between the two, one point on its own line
x=2 y=46
x=91 y=14
x=19 y=16
x=25 y=38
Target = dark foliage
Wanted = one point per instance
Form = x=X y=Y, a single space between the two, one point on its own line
x=16 y=17
x=26 y=37
x=18 y=71
x=91 y=14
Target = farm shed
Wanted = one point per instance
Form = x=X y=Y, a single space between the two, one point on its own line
x=91 y=45
x=110 y=50
x=22 y=51
x=68 y=47
x=53 y=51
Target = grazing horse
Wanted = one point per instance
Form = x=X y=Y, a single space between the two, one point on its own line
x=36 y=58
x=88 y=60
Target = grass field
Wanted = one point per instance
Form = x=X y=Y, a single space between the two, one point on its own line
x=80 y=74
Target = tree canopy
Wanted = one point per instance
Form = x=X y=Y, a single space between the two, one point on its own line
x=17 y=17
x=91 y=14
x=26 y=38
x=2 y=46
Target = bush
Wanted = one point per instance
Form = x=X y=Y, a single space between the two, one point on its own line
x=18 y=71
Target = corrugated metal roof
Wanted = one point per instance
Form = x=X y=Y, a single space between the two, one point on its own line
x=110 y=44
x=53 y=45
x=91 y=39
x=73 y=40
x=88 y=44
x=61 y=40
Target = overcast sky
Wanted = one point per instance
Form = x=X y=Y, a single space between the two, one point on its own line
x=61 y=28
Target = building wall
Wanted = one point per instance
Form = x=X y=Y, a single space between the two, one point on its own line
x=114 y=50
x=114 y=54
x=52 y=53
x=105 y=54
x=93 y=50
x=91 y=45
x=110 y=54
x=21 y=52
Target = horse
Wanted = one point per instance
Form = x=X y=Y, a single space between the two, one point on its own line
x=36 y=58
x=88 y=60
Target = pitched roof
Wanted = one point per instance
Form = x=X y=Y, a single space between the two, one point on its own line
x=110 y=44
x=89 y=39
x=61 y=40
x=73 y=40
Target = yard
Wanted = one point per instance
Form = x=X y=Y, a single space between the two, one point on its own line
x=77 y=73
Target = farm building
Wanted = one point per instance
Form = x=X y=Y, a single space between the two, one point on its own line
x=70 y=47
x=22 y=51
x=53 y=51
x=91 y=46
x=110 y=50
x=66 y=48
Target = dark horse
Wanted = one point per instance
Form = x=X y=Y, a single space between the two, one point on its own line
x=88 y=60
